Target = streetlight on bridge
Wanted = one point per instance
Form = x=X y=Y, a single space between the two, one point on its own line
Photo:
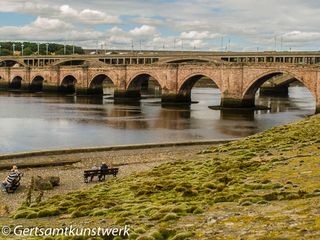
x=22 y=45
x=102 y=47
x=47 y=48
x=38 y=48
x=13 y=48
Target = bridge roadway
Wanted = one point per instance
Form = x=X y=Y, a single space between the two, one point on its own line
x=238 y=75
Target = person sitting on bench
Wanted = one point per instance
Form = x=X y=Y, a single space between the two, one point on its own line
x=94 y=167
x=14 y=174
x=104 y=171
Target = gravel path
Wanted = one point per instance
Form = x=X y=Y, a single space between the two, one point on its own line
x=129 y=161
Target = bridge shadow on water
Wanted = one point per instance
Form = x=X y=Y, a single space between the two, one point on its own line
x=151 y=113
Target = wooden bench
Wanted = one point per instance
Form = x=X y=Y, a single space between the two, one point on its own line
x=88 y=175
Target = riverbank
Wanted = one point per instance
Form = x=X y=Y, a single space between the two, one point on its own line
x=261 y=187
x=130 y=159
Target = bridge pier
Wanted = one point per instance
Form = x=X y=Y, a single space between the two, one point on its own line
x=50 y=88
x=176 y=98
x=18 y=86
x=81 y=91
x=66 y=89
x=25 y=86
x=124 y=95
x=227 y=102
x=4 y=86
x=95 y=91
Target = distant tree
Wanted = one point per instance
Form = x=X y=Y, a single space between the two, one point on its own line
x=60 y=51
x=32 y=48
x=27 y=51
x=5 y=52
x=79 y=50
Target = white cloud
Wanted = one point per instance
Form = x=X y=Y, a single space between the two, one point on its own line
x=144 y=34
x=67 y=11
x=10 y=6
x=45 y=29
x=87 y=16
x=248 y=23
x=48 y=10
x=198 y=35
x=150 y=21
x=116 y=30
x=49 y=24
x=116 y=36
x=298 y=36
x=143 y=31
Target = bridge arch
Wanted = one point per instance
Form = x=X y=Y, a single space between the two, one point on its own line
x=37 y=83
x=68 y=84
x=11 y=63
x=144 y=82
x=188 y=83
x=77 y=62
x=69 y=62
x=253 y=86
x=187 y=60
x=191 y=80
x=16 y=82
x=99 y=82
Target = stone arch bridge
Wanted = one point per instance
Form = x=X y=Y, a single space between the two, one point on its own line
x=237 y=81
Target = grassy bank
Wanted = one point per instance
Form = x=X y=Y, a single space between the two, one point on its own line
x=244 y=188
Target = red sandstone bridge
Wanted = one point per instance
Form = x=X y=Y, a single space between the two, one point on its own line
x=237 y=75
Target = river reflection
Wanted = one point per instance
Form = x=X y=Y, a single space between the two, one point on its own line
x=38 y=121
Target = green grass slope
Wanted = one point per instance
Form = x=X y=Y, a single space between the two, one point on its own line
x=216 y=196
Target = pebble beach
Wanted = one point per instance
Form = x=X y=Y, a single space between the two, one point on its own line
x=71 y=175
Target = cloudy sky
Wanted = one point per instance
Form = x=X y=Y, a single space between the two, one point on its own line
x=237 y=25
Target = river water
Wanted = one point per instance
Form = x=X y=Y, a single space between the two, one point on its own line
x=38 y=122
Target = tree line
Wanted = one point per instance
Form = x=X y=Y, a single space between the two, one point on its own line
x=30 y=48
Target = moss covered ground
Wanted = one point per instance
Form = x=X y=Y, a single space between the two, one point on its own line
x=262 y=187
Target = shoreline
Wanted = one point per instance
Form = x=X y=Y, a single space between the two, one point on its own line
x=56 y=152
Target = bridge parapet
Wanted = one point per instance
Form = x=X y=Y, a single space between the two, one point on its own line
x=145 y=57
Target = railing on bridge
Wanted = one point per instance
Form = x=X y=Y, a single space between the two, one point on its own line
x=264 y=59
x=137 y=58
